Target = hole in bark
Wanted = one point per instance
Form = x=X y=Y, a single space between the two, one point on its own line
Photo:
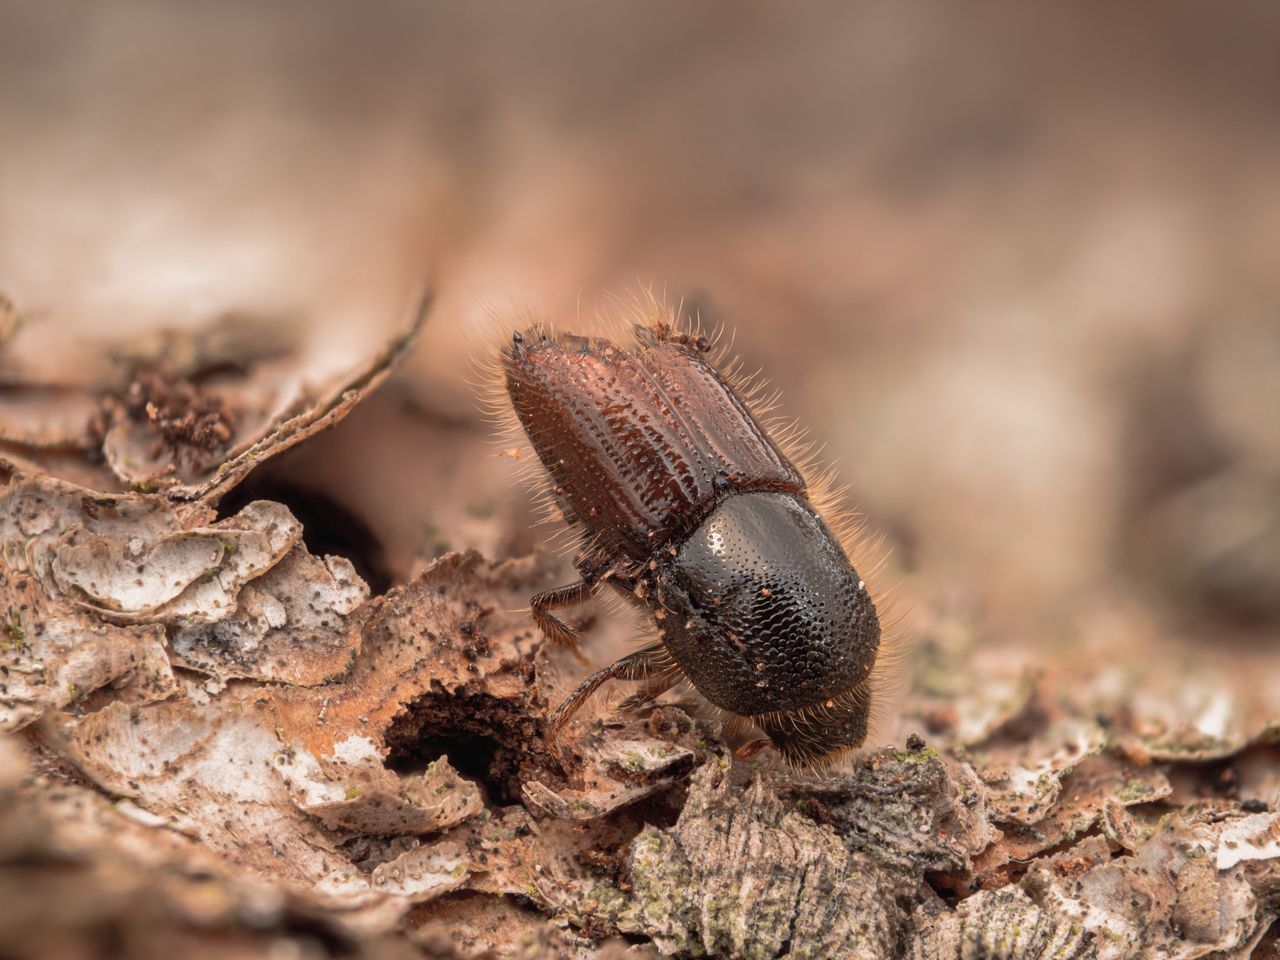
x=486 y=739
x=327 y=526
x=317 y=934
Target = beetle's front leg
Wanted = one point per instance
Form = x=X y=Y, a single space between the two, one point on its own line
x=552 y=627
x=570 y=595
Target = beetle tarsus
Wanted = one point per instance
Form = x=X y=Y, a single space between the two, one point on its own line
x=553 y=628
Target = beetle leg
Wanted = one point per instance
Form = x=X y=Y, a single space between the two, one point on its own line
x=752 y=747
x=640 y=665
x=553 y=628
x=652 y=690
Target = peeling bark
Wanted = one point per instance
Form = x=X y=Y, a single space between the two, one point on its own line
x=220 y=740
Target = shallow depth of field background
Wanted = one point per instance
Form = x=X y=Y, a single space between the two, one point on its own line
x=1017 y=266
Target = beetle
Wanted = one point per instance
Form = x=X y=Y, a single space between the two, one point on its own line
x=688 y=506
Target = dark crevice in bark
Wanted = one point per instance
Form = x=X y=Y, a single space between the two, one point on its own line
x=328 y=527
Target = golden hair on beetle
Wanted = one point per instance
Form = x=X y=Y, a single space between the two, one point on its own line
x=513 y=382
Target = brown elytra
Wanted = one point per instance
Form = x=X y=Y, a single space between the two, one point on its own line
x=688 y=507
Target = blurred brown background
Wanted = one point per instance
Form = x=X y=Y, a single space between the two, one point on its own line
x=1016 y=265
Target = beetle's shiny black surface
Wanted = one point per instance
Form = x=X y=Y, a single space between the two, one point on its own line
x=770 y=614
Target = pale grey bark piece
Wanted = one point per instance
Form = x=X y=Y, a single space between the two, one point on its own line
x=296 y=623
x=1181 y=895
x=1024 y=775
x=742 y=876
x=907 y=809
x=424 y=873
x=999 y=925
x=188 y=576
x=54 y=653
x=377 y=802
x=48 y=661
x=1095 y=793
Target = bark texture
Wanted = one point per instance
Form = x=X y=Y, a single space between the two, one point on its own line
x=220 y=739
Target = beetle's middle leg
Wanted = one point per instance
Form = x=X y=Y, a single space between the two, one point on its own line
x=647 y=663
x=552 y=627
